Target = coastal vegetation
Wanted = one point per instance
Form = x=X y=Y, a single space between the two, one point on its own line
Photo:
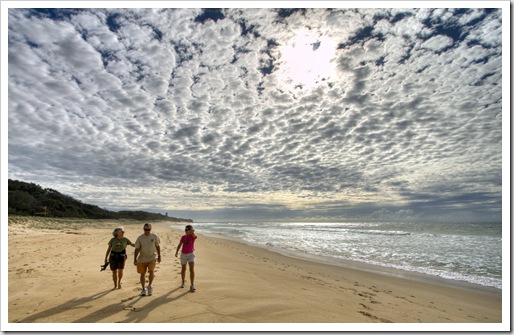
x=29 y=199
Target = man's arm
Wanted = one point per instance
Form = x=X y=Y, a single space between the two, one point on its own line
x=136 y=252
x=158 y=253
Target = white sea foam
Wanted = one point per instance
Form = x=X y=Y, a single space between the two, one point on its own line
x=468 y=252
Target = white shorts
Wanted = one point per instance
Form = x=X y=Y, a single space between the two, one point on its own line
x=187 y=258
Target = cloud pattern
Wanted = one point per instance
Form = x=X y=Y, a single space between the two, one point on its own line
x=185 y=110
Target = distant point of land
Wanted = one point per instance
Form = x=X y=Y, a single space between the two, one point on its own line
x=29 y=199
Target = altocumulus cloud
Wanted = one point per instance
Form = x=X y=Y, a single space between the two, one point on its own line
x=192 y=111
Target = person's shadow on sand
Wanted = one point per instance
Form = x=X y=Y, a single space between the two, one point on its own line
x=140 y=312
x=67 y=306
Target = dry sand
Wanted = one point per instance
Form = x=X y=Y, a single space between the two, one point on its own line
x=54 y=277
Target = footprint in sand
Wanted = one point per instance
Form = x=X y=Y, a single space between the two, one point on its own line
x=130 y=308
x=366 y=307
x=124 y=300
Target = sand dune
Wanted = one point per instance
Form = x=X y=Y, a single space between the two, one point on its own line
x=54 y=277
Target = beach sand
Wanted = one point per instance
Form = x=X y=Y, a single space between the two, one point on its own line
x=54 y=277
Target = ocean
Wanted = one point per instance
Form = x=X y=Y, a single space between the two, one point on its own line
x=469 y=252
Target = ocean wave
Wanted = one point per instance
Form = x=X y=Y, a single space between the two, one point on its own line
x=423 y=248
x=381 y=232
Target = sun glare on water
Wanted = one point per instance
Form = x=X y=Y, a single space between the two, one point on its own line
x=307 y=60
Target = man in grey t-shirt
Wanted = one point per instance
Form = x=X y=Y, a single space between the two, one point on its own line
x=146 y=246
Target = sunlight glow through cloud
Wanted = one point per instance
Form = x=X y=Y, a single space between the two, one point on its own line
x=307 y=60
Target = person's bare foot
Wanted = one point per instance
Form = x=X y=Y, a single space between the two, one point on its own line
x=119 y=286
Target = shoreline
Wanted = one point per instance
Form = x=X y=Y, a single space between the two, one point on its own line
x=54 y=280
x=367 y=267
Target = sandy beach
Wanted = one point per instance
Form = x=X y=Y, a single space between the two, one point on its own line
x=54 y=277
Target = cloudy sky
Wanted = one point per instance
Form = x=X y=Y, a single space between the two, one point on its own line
x=240 y=113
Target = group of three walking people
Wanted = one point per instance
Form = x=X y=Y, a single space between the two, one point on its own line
x=146 y=256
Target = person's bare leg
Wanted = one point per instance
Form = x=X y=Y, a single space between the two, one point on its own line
x=192 y=272
x=183 y=273
x=120 y=275
x=142 y=278
x=115 y=277
x=150 y=277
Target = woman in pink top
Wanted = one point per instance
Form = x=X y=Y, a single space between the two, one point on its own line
x=187 y=242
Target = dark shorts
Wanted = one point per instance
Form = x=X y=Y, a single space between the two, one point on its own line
x=117 y=260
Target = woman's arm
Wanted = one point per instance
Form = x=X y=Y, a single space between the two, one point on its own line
x=129 y=242
x=178 y=248
x=107 y=253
